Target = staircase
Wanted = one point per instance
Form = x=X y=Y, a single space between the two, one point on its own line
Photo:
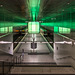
x=45 y=68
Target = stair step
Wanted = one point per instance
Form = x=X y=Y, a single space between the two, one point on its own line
x=42 y=70
x=37 y=63
x=43 y=65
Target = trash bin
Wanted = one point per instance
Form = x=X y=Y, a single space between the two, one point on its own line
x=33 y=45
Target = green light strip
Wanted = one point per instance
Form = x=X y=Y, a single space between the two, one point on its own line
x=56 y=29
x=34 y=6
x=62 y=30
x=8 y=24
x=60 y=24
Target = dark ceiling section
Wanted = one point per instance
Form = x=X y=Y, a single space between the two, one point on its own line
x=13 y=10
x=55 y=8
x=17 y=11
x=16 y=6
x=20 y=27
x=48 y=7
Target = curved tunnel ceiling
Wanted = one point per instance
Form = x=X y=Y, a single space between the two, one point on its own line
x=50 y=12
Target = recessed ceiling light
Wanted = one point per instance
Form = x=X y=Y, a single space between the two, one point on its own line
x=63 y=10
x=1 y=5
x=68 y=3
x=51 y=18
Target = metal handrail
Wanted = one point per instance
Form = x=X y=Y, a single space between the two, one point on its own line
x=65 y=37
x=16 y=59
x=20 y=59
x=66 y=57
x=4 y=64
x=49 y=46
x=63 y=57
x=4 y=35
x=19 y=43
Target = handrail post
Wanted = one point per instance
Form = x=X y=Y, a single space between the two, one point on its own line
x=16 y=59
x=3 y=67
x=9 y=66
x=20 y=58
x=12 y=60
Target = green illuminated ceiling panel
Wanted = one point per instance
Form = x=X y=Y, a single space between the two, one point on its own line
x=34 y=6
x=10 y=29
x=64 y=30
x=6 y=29
x=56 y=29
x=33 y=27
x=2 y=30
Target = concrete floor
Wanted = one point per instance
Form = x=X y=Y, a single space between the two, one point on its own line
x=45 y=58
x=40 y=58
x=41 y=48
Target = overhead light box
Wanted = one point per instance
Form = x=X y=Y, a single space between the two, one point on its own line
x=62 y=30
x=33 y=27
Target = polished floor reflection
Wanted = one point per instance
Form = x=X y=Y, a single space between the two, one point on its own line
x=42 y=52
x=41 y=47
